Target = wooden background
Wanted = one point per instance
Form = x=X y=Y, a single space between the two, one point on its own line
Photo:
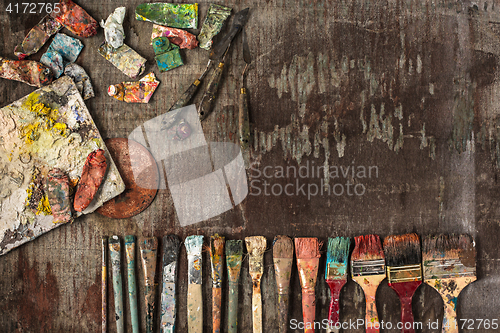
x=411 y=87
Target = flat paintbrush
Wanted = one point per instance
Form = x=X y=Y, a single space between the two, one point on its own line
x=132 y=289
x=307 y=253
x=283 y=259
x=256 y=246
x=149 y=247
x=234 y=253
x=368 y=270
x=170 y=251
x=104 y=285
x=337 y=257
x=115 y=254
x=194 y=245
x=403 y=259
x=449 y=266
x=217 y=260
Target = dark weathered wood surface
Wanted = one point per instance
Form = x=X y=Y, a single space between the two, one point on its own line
x=411 y=87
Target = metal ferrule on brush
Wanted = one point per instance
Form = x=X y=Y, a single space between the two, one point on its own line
x=368 y=267
x=336 y=270
x=448 y=268
x=405 y=273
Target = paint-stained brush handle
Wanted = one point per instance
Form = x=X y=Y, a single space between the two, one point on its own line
x=234 y=252
x=149 y=248
x=257 y=307
x=216 y=309
x=171 y=244
x=207 y=101
x=243 y=120
x=104 y=286
x=194 y=245
x=186 y=96
x=232 y=313
x=132 y=289
x=371 y=315
x=115 y=254
x=405 y=291
x=334 y=309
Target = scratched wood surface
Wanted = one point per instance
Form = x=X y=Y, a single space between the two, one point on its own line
x=409 y=87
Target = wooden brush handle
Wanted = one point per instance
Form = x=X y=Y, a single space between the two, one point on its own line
x=308 y=309
x=257 y=307
x=370 y=285
x=449 y=289
x=333 y=313
x=405 y=291
x=283 y=313
x=216 y=309
x=232 y=313
x=195 y=308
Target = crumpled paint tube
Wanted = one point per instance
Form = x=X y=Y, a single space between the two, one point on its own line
x=167 y=55
x=214 y=21
x=81 y=79
x=63 y=49
x=135 y=92
x=113 y=28
x=115 y=254
x=27 y=71
x=37 y=37
x=124 y=58
x=182 y=38
x=57 y=189
x=75 y=19
x=149 y=248
x=93 y=173
x=54 y=61
x=169 y=14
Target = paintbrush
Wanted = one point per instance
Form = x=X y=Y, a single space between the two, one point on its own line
x=104 y=286
x=217 y=260
x=234 y=252
x=115 y=254
x=171 y=246
x=307 y=253
x=148 y=256
x=132 y=289
x=283 y=259
x=449 y=266
x=403 y=260
x=256 y=245
x=337 y=256
x=194 y=246
x=368 y=270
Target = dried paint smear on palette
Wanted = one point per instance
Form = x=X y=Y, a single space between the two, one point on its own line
x=49 y=129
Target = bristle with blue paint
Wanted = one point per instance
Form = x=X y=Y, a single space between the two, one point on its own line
x=337 y=256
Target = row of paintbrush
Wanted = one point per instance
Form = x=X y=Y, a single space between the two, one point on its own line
x=448 y=266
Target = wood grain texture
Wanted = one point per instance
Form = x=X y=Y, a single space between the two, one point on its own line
x=401 y=85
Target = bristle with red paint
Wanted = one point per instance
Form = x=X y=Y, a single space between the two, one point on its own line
x=368 y=247
x=307 y=248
